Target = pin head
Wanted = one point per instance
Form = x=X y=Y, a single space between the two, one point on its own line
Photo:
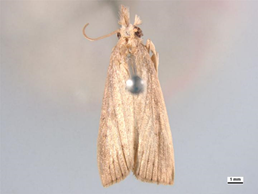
x=135 y=85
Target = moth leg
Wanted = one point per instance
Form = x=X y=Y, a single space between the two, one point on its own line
x=155 y=56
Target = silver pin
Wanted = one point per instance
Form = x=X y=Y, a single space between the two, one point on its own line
x=134 y=84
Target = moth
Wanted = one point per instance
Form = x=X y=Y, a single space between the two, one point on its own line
x=134 y=132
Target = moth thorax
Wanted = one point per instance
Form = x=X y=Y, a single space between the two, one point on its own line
x=135 y=84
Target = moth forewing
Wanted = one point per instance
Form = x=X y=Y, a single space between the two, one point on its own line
x=134 y=133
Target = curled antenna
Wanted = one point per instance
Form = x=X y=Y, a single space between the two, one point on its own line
x=93 y=39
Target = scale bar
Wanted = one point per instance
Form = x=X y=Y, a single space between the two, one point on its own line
x=235 y=183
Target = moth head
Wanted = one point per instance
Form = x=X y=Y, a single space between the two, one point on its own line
x=127 y=29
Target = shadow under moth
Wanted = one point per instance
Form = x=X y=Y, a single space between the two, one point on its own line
x=134 y=132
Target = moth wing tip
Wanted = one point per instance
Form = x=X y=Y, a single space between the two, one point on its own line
x=117 y=180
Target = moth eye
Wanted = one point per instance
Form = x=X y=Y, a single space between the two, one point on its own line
x=118 y=35
x=138 y=33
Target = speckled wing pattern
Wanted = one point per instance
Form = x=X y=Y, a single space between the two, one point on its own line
x=115 y=140
x=134 y=133
x=154 y=159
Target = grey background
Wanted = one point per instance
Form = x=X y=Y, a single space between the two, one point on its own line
x=52 y=83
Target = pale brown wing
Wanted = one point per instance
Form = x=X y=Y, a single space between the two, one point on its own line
x=154 y=159
x=115 y=139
